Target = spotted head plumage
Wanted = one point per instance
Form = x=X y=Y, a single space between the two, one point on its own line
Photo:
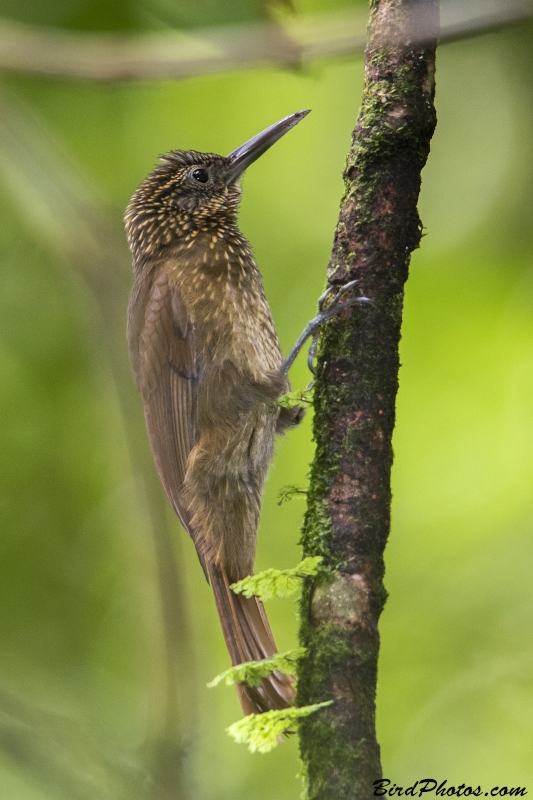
x=187 y=191
x=191 y=191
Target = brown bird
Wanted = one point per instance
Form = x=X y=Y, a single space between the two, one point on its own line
x=208 y=365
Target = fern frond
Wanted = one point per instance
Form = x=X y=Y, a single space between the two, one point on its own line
x=295 y=398
x=289 y=492
x=277 y=582
x=261 y=732
x=251 y=672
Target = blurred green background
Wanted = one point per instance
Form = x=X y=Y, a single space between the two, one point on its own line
x=108 y=630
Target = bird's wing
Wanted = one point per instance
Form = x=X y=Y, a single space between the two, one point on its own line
x=166 y=369
x=165 y=366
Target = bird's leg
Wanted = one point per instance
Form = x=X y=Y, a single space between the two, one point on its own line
x=324 y=314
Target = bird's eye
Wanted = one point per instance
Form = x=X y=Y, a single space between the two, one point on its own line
x=201 y=175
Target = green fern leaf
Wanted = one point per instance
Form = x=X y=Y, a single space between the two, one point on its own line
x=277 y=582
x=295 y=398
x=261 y=732
x=289 y=492
x=251 y=672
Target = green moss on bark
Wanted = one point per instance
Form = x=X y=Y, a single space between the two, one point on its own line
x=348 y=513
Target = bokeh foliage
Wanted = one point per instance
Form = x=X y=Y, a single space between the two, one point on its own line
x=83 y=683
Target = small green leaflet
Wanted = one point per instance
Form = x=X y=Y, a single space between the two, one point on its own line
x=290 y=491
x=261 y=732
x=295 y=398
x=251 y=672
x=277 y=582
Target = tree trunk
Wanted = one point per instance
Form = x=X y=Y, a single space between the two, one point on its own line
x=348 y=516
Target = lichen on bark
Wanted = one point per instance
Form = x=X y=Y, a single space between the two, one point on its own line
x=348 y=513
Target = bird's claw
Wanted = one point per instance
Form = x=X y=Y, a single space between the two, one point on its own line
x=323 y=297
x=311 y=354
x=324 y=314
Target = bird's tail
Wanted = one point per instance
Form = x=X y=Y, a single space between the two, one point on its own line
x=249 y=638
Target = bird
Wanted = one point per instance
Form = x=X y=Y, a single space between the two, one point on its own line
x=207 y=362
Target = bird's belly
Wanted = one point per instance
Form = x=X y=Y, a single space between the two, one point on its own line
x=238 y=436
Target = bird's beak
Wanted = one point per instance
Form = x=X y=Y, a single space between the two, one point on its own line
x=247 y=153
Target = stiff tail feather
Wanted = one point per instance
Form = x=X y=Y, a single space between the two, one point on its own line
x=249 y=638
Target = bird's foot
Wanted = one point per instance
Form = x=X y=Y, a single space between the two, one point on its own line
x=324 y=314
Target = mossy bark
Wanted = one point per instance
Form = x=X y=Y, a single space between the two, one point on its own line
x=348 y=515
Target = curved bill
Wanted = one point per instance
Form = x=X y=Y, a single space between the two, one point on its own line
x=250 y=151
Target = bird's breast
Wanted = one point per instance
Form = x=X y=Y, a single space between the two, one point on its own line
x=222 y=290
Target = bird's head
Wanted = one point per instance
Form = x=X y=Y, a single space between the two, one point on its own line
x=191 y=190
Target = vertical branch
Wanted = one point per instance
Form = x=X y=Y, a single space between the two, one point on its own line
x=348 y=516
